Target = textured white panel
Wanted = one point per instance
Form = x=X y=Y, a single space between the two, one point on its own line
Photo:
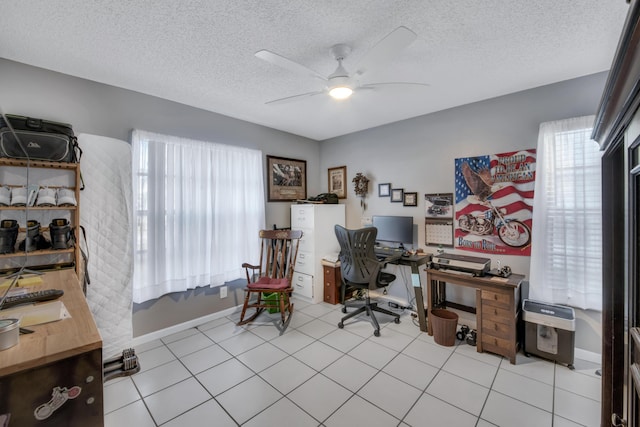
x=106 y=214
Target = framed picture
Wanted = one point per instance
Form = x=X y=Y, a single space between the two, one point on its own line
x=410 y=199
x=396 y=195
x=384 y=190
x=338 y=181
x=438 y=205
x=286 y=179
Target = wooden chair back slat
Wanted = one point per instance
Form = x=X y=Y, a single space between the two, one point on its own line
x=279 y=253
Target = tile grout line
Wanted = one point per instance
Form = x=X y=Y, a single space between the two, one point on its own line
x=318 y=339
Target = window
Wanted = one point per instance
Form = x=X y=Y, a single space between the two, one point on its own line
x=566 y=252
x=198 y=208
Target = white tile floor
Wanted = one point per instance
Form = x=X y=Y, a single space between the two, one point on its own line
x=318 y=375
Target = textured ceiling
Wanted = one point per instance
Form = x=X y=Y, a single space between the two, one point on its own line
x=201 y=53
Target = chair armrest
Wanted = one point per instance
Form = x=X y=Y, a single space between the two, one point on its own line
x=248 y=267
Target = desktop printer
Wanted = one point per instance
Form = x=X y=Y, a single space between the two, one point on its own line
x=468 y=264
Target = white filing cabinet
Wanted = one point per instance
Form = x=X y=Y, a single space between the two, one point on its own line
x=317 y=223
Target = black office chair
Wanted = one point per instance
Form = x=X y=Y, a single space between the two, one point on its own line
x=361 y=270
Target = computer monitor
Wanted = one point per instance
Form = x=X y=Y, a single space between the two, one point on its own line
x=394 y=229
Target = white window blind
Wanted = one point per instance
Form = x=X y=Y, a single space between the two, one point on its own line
x=566 y=252
x=198 y=209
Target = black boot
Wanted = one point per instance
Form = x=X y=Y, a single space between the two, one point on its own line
x=60 y=232
x=8 y=235
x=34 y=240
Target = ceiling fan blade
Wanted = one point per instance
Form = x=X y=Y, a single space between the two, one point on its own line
x=391 y=84
x=287 y=64
x=295 y=97
x=382 y=53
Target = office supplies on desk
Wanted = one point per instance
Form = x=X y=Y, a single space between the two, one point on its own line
x=332 y=257
x=22 y=282
x=385 y=253
x=9 y=333
x=37 y=314
x=464 y=263
x=31 y=297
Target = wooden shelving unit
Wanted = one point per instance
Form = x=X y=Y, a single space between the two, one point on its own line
x=18 y=173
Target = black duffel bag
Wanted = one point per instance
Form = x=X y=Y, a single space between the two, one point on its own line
x=38 y=139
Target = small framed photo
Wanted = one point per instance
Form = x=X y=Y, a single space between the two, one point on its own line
x=438 y=205
x=410 y=199
x=396 y=195
x=286 y=179
x=338 y=181
x=384 y=190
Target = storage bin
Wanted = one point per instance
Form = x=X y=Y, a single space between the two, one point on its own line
x=549 y=331
x=444 y=324
x=273 y=299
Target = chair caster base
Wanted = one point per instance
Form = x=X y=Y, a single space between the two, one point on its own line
x=344 y=310
x=376 y=332
x=341 y=325
x=396 y=320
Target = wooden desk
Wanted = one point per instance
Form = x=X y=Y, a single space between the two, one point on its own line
x=497 y=308
x=66 y=354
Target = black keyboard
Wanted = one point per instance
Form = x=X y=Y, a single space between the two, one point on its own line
x=384 y=251
x=38 y=296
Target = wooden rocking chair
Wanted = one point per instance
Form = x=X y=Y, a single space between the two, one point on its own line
x=271 y=279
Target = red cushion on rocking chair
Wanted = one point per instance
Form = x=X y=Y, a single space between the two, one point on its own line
x=268 y=283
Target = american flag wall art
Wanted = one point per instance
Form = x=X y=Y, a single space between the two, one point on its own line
x=494 y=202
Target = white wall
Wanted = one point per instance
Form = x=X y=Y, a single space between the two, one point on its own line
x=100 y=109
x=415 y=154
x=418 y=155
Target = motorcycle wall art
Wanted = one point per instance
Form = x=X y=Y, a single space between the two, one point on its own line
x=494 y=202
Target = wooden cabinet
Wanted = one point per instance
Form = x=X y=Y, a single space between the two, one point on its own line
x=53 y=376
x=332 y=282
x=317 y=223
x=498 y=321
x=617 y=129
x=14 y=173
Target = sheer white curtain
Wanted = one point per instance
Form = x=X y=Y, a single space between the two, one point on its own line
x=566 y=248
x=198 y=209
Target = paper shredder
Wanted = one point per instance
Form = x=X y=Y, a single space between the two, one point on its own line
x=549 y=331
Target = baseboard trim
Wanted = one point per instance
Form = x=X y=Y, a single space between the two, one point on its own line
x=143 y=339
x=589 y=356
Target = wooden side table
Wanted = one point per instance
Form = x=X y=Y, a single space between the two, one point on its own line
x=497 y=308
x=332 y=281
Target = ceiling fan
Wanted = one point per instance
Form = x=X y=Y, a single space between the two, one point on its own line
x=341 y=84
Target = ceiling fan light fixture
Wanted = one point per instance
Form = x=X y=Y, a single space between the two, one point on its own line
x=340 y=92
x=339 y=86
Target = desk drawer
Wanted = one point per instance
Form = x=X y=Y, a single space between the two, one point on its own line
x=496 y=314
x=496 y=299
x=305 y=262
x=302 y=217
x=303 y=285
x=491 y=328
x=498 y=345
x=306 y=241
